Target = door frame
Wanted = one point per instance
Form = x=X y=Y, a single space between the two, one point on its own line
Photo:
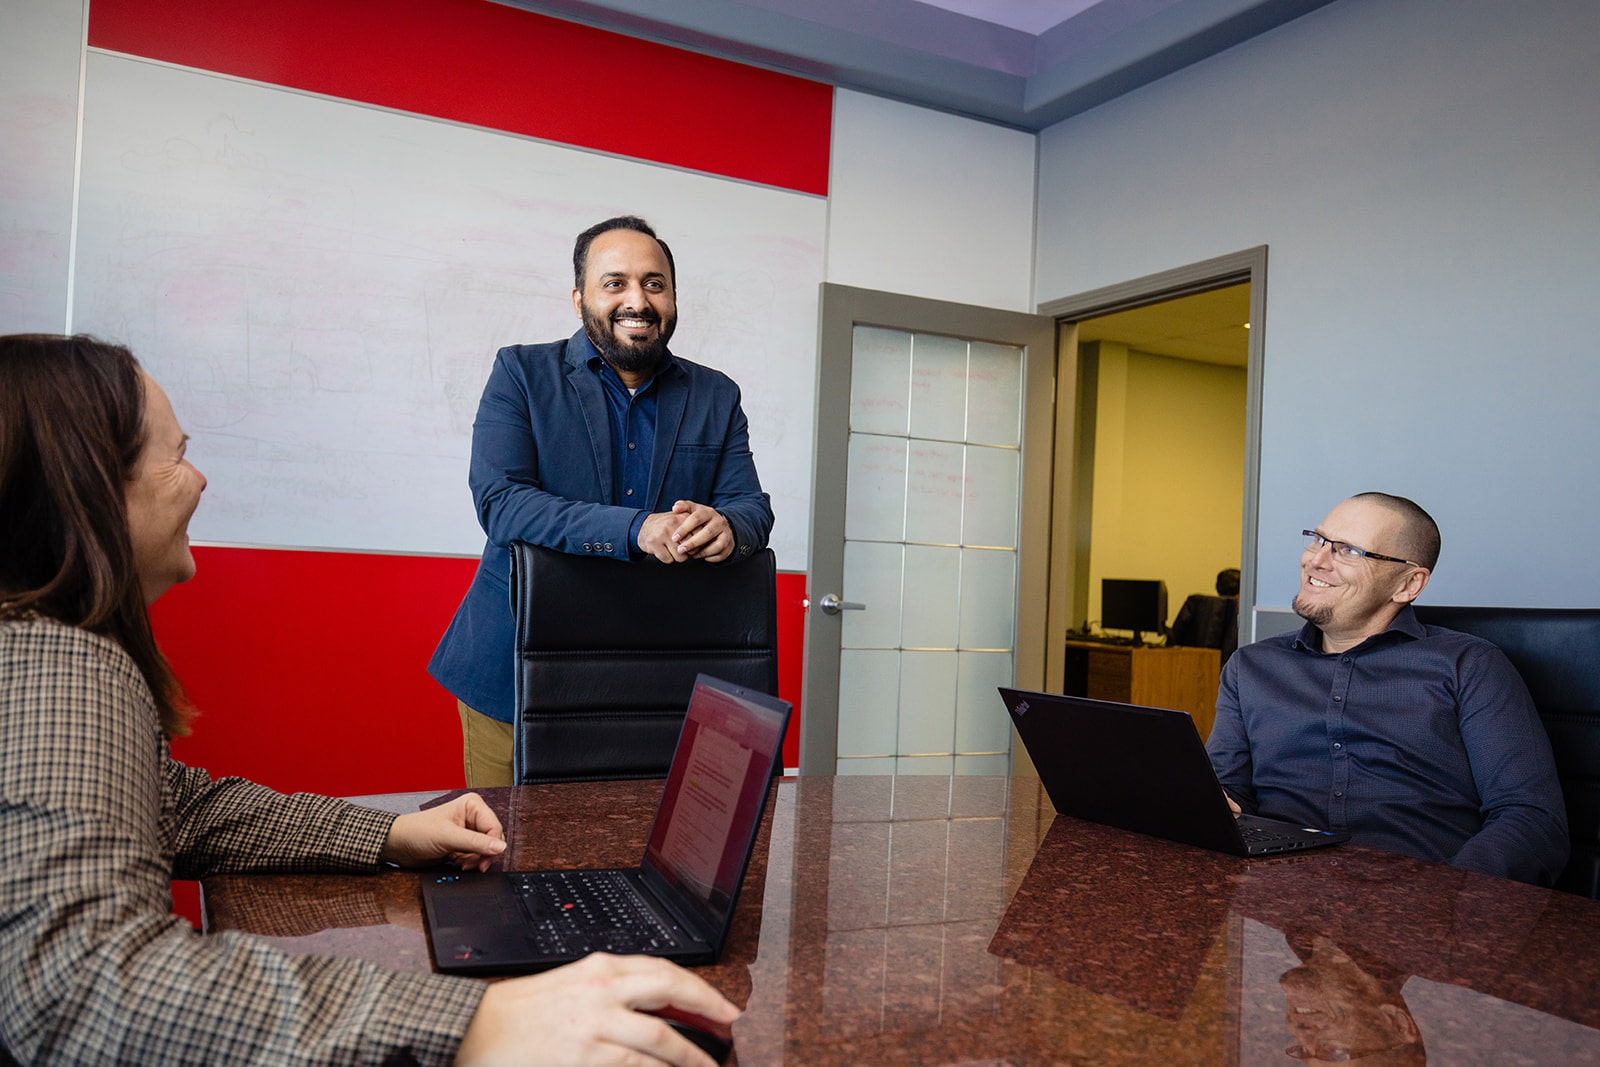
x=1069 y=526
x=840 y=309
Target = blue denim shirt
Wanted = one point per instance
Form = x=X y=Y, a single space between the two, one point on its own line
x=1419 y=740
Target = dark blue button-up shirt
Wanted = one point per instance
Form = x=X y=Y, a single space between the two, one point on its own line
x=1419 y=740
x=632 y=417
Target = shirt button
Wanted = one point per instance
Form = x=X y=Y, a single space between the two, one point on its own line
x=1337 y=746
x=608 y=546
x=1337 y=699
x=1345 y=659
x=587 y=547
x=1338 y=794
x=632 y=446
x=628 y=492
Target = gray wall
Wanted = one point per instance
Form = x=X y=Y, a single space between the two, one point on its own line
x=1426 y=176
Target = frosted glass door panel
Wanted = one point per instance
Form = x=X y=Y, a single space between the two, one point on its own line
x=994 y=395
x=932 y=598
x=988 y=598
x=880 y=390
x=927 y=703
x=934 y=478
x=872 y=574
x=989 y=512
x=939 y=388
x=875 y=501
x=869 y=690
x=931 y=519
x=982 y=725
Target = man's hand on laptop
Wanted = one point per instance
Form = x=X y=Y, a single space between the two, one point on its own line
x=1233 y=806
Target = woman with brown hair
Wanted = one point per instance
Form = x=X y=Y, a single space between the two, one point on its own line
x=96 y=818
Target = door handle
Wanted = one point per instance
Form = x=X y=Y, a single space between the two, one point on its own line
x=832 y=605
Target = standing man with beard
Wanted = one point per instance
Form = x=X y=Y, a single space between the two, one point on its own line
x=605 y=444
x=1414 y=738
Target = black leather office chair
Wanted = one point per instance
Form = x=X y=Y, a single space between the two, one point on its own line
x=1557 y=652
x=1207 y=622
x=607 y=653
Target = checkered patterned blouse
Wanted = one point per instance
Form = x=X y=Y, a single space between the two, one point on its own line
x=95 y=821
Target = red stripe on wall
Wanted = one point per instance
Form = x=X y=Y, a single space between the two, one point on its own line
x=310 y=668
x=490 y=65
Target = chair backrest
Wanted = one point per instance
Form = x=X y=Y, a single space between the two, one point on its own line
x=607 y=653
x=1203 y=621
x=1557 y=652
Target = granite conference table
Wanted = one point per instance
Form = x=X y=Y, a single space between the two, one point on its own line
x=924 y=920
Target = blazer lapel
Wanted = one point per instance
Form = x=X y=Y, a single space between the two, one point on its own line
x=592 y=402
x=672 y=397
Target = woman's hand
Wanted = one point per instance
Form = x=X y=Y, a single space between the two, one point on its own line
x=593 y=1012
x=463 y=831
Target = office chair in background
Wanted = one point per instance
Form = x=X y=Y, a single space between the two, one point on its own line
x=1557 y=652
x=607 y=653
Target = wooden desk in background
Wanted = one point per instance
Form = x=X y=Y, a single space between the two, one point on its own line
x=931 y=920
x=1176 y=677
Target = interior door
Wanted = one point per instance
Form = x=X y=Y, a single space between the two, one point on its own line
x=930 y=514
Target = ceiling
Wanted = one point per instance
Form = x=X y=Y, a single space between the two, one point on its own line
x=1021 y=63
x=1208 y=327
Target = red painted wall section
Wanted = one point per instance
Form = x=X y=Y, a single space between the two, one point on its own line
x=310 y=668
x=487 y=64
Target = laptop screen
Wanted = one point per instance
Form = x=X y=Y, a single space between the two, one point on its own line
x=715 y=792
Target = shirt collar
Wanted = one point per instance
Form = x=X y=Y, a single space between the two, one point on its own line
x=590 y=356
x=1405 y=624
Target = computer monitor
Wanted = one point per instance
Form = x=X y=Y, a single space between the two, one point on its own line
x=1133 y=604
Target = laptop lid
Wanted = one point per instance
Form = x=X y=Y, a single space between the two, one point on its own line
x=705 y=826
x=1137 y=768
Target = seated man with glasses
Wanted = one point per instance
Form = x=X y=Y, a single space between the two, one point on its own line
x=1414 y=738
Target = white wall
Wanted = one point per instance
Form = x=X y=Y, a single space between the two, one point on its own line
x=1427 y=179
x=39 y=48
x=930 y=205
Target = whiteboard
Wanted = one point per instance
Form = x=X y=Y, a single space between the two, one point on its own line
x=321 y=288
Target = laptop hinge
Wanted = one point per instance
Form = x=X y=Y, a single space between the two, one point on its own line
x=670 y=900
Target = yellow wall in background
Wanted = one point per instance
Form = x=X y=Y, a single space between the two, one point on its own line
x=1168 y=472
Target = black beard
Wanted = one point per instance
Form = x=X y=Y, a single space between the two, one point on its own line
x=643 y=357
x=1318 y=616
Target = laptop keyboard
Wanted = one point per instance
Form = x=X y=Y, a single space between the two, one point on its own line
x=1262 y=839
x=577 y=912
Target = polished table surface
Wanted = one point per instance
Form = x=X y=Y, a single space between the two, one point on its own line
x=925 y=920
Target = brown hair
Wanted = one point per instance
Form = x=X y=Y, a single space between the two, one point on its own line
x=71 y=430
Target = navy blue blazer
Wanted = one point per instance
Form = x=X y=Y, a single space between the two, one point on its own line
x=541 y=472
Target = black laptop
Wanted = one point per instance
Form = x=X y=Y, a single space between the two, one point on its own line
x=677 y=903
x=1142 y=769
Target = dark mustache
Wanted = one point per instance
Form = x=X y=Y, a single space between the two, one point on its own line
x=643 y=313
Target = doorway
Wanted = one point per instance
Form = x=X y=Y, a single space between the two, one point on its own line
x=1130 y=477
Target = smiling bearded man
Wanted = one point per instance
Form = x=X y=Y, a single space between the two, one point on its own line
x=565 y=455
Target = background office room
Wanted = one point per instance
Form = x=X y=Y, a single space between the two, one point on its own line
x=931 y=251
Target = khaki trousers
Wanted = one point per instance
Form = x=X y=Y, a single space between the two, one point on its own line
x=485 y=749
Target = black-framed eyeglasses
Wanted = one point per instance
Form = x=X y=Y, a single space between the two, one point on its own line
x=1345 y=550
